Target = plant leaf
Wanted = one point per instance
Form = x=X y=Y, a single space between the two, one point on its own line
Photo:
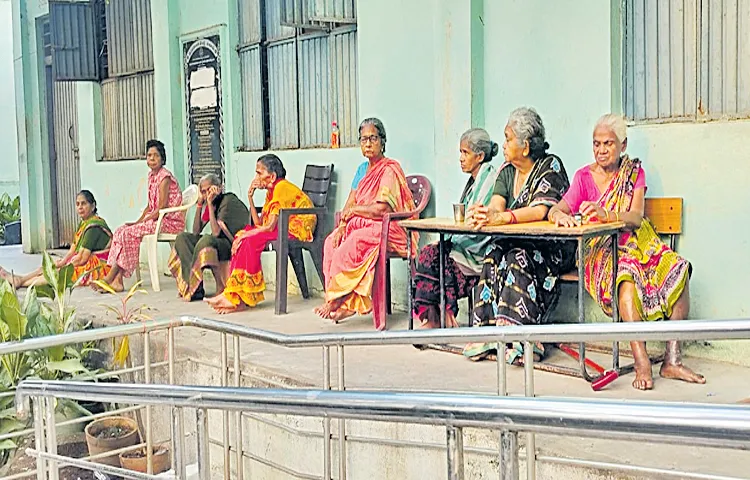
x=50 y=271
x=64 y=280
x=102 y=284
x=7 y=444
x=70 y=365
x=121 y=355
x=11 y=425
x=10 y=313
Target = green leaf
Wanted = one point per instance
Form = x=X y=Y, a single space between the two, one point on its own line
x=50 y=271
x=7 y=444
x=70 y=365
x=10 y=313
x=56 y=354
x=45 y=291
x=4 y=331
x=64 y=280
x=11 y=425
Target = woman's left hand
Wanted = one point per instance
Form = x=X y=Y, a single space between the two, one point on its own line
x=348 y=213
x=591 y=210
x=213 y=192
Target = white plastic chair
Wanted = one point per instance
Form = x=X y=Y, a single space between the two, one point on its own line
x=189 y=198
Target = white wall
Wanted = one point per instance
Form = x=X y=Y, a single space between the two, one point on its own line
x=8 y=138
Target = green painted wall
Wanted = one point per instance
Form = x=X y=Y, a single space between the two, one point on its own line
x=9 y=160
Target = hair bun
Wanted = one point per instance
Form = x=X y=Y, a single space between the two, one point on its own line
x=494 y=149
x=546 y=146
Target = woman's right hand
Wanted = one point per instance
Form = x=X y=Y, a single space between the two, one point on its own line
x=477 y=215
x=237 y=241
x=562 y=219
x=338 y=235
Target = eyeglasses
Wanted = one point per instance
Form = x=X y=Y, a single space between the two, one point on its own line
x=371 y=139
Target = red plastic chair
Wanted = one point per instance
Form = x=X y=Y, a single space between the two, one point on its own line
x=421 y=190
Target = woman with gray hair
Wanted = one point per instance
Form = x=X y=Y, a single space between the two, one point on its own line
x=464 y=253
x=518 y=283
x=652 y=280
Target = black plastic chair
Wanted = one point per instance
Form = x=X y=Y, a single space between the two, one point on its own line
x=316 y=185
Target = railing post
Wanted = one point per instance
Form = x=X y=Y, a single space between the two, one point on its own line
x=239 y=448
x=342 y=423
x=528 y=366
x=455 y=440
x=173 y=424
x=179 y=461
x=509 y=455
x=52 y=438
x=204 y=458
x=37 y=405
x=326 y=420
x=225 y=413
x=147 y=376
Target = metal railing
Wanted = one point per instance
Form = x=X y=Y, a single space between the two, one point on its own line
x=684 y=424
x=556 y=333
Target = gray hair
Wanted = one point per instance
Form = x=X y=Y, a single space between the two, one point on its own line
x=211 y=178
x=375 y=122
x=528 y=127
x=615 y=123
x=478 y=141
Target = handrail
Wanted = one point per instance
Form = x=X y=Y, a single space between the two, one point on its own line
x=560 y=333
x=726 y=426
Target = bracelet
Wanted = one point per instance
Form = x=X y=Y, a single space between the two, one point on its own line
x=513 y=218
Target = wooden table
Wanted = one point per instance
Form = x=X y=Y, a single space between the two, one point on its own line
x=542 y=231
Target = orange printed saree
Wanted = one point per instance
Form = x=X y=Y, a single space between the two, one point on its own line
x=349 y=269
x=246 y=283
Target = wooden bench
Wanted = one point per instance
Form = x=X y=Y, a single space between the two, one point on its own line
x=665 y=214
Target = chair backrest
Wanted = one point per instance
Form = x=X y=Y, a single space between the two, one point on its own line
x=190 y=195
x=317 y=183
x=421 y=190
x=665 y=214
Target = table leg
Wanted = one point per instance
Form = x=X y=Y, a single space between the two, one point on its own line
x=615 y=302
x=409 y=298
x=581 y=310
x=441 y=248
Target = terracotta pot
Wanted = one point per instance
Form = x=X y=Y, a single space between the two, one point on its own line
x=98 y=445
x=161 y=460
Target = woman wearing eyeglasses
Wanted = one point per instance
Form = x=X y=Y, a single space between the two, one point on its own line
x=351 y=250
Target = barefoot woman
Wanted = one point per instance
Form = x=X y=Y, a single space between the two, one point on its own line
x=652 y=279
x=245 y=285
x=163 y=192
x=87 y=252
x=351 y=250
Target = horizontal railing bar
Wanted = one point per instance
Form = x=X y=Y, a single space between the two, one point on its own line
x=91 y=466
x=266 y=462
x=552 y=333
x=695 y=424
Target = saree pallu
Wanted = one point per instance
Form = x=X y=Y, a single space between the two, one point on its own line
x=518 y=282
x=96 y=267
x=349 y=268
x=246 y=283
x=658 y=273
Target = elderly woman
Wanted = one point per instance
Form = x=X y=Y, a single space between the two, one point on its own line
x=86 y=254
x=225 y=215
x=246 y=285
x=463 y=253
x=163 y=192
x=652 y=280
x=518 y=283
x=352 y=249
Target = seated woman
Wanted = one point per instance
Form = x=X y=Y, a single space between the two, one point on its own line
x=86 y=253
x=518 y=283
x=352 y=249
x=245 y=285
x=652 y=280
x=163 y=192
x=463 y=253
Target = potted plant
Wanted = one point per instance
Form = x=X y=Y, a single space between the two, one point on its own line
x=111 y=433
x=137 y=460
x=10 y=219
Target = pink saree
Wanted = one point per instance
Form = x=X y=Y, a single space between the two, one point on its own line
x=349 y=269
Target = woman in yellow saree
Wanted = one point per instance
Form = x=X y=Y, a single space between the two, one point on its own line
x=87 y=254
x=351 y=250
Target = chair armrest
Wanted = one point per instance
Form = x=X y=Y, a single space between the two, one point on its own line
x=401 y=215
x=165 y=211
x=303 y=211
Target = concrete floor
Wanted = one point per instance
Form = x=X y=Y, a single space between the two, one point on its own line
x=406 y=368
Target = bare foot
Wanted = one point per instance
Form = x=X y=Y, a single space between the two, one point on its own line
x=680 y=372
x=233 y=309
x=323 y=311
x=643 y=377
x=221 y=302
x=340 y=314
x=212 y=300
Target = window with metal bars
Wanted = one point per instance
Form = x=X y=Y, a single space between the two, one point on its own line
x=686 y=60
x=298 y=73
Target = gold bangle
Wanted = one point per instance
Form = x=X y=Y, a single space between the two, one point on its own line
x=617 y=215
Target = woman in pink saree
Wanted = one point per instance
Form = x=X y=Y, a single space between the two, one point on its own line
x=351 y=250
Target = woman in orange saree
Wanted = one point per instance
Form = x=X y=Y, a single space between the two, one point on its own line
x=245 y=285
x=351 y=250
